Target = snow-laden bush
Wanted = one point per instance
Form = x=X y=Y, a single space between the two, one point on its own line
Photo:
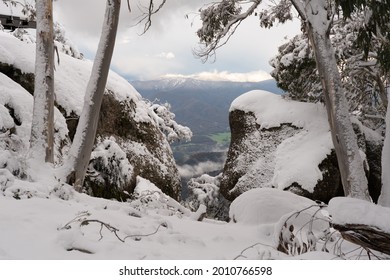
x=11 y=157
x=63 y=43
x=109 y=169
x=167 y=124
x=149 y=198
x=204 y=190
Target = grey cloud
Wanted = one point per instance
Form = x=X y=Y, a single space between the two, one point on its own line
x=249 y=49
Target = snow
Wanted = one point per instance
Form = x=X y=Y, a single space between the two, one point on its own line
x=345 y=210
x=51 y=221
x=266 y=206
x=71 y=76
x=292 y=158
x=36 y=228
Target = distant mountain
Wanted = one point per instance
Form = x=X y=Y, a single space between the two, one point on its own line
x=201 y=105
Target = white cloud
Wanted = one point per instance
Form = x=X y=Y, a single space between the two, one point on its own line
x=166 y=55
x=253 y=76
x=190 y=171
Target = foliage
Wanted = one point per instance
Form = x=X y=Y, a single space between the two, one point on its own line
x=27 y=8
x=364 y=81
x=108 y=168
x=216 y=18
x=219 y=22
x=376 y=19
x=204 y=190
x=63 y=43
x=279 y=12
x=167 y=124
x=295 y=70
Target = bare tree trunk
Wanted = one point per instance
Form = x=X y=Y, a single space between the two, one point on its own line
x=42 y=131
x=384 y=198
x=344 y=138
x=318 y=18
x=84 y=139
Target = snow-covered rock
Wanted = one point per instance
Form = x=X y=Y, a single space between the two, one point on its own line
x=125 y=118
x=279 y=143
x=287 y=145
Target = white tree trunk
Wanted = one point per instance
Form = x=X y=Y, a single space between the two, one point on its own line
x=318 y=16
x=80 y=152
x=42 y=131
x=384 y=198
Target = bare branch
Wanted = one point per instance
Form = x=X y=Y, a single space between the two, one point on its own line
x=147 y=13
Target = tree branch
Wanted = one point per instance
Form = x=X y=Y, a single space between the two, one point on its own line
x=223 y=36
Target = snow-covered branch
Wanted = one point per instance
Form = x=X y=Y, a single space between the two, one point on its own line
x=165 y=120
x=220 y=21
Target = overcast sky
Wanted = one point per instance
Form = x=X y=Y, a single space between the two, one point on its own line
x=167 y=48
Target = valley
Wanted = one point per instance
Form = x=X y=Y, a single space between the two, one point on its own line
x=203 y=106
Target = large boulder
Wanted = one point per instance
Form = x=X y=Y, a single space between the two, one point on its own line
x=129 y=140
x=287 y=145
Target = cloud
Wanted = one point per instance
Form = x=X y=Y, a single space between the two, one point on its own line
x=253 y=76
x=166 y=55
x=138 y=56
x=189 y=171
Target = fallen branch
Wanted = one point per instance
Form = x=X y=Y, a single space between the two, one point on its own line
x=83 y=221
x=368 y=237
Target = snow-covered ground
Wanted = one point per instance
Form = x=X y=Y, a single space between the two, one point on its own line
x=47 y=221
x=151 y=228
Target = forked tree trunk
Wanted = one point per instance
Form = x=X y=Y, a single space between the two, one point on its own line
x=80 y=151
x=318 y=16
x=42 y=130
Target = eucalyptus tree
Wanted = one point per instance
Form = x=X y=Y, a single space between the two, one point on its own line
x=83 y=142
x=42 y=129
x=84 y=139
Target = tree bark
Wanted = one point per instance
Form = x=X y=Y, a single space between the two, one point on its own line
x=318 y=19
x=384 y=198
x=42 y=130
x=80 y=151
x=366 y=236
x=350 y=162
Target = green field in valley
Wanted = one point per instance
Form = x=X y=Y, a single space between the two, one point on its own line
x=221 y=138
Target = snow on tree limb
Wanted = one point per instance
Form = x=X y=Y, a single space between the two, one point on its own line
x=42 y=130
x=220 y=21
x=84 y=139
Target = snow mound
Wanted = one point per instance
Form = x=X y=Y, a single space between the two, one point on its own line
x=266 y=206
